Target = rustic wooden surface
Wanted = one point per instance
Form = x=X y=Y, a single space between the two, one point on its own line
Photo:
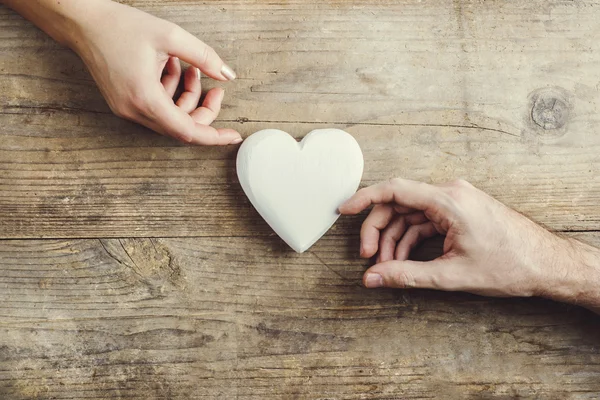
x=133 y=267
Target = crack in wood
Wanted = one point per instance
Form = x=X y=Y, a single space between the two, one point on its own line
x=119 y=262
x=46 y=109
x=334 y=271
x=252 y=236
x=243 y=120
x=135 y=268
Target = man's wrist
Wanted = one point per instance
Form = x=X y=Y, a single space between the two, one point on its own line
x=574 y=276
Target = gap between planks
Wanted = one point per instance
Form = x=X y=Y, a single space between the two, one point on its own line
x=335 y=235
x=243 y=120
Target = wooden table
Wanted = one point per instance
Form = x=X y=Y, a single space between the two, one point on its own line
x=132 y=266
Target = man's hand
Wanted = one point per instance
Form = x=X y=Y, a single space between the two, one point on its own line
x=134 y=59
x=489 y=249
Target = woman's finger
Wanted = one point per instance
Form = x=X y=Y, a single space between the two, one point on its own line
x=197 y=53
x=170 y=79
x=211 y=107
x=188 y=101
x=162 y=115
x=224 y=134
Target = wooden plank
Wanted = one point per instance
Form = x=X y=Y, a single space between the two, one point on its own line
x=397 y=59
x=431 y=91
x=103 y=184
x=213 y=318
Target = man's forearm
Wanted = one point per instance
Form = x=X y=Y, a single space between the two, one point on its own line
x=578 y=278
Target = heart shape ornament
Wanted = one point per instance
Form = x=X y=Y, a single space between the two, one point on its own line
x=297 y=187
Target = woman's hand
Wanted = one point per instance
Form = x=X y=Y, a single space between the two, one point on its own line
x=134 y=58
x=489 y=249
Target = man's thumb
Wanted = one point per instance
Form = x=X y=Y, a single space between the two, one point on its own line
x=407 y=274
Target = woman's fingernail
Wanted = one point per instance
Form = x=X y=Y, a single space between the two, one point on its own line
x=197 y=73
x=237 y=141
x=227 y=72
x=373 y=281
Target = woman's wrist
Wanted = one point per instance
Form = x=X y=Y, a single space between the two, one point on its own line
x=60 y=19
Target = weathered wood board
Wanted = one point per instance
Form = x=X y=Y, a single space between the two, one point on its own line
x=132 y=266
x=205 y=318
x=431 y=91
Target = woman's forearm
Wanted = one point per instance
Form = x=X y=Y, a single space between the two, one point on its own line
x=58 y=18
x=134 y=57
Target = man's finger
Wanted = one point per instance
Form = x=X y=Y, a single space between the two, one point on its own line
x=389 y=237
x=412 y=238
x=402 y=192
x=197 y=53
x=403 y=210
x=378 y=219
x=394 y=232
x=411 y=274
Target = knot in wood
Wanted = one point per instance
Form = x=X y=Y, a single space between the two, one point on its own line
x=550 y=110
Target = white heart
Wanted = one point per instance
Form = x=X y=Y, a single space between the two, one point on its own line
x=298 y=187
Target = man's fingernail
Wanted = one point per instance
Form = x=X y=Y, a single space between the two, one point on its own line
x=197 y=73
x=237 y=141
x=227 y=72
x=373 y=281
x=362 y=250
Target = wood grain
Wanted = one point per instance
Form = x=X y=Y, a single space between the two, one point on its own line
x=432 y=92
x=202 y=318
x=133 y=267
